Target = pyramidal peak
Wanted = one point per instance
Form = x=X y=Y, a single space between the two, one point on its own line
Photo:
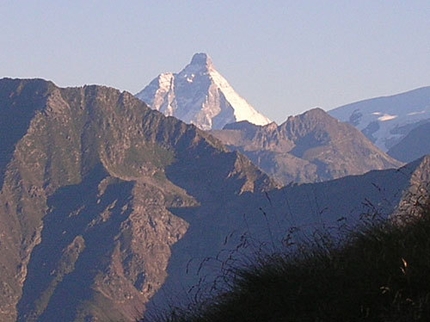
x=199 y=95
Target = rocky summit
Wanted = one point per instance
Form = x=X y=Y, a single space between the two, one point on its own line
x=310 y=147
x=199 y=95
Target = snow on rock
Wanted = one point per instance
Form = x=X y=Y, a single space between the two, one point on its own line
x=199 y=95
x=387 y=120
x=386 y=117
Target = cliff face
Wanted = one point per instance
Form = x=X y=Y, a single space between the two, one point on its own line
x=85 y=197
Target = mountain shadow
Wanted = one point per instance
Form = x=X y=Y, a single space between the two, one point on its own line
x=19 y=102
x=75 y=246
x=228 y=228
x=377 y=271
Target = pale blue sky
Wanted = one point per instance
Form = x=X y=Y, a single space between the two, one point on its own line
x=284 y=57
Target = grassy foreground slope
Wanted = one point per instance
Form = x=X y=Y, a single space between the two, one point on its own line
x=381 y=272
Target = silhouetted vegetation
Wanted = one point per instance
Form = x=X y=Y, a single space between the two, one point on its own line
x=378 y=272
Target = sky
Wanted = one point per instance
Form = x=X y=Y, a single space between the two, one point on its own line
x=284 y=57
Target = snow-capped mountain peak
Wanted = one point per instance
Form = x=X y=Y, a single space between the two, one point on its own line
x=200 y=95
x=387 y=120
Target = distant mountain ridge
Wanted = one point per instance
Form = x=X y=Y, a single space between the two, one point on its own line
x=387 y=120
x=309 y=147
x=199 y=95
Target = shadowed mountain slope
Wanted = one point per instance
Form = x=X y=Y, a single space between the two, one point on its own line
x=414 y=145
x=228 y=232
x=377 y=272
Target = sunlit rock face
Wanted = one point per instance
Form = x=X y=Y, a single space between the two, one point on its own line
x=199 y=95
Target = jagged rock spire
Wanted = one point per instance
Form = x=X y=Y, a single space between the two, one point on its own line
x=202 y=59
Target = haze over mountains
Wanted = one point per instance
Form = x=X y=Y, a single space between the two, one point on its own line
x=108 y=207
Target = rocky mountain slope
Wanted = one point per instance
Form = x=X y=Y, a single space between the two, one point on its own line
x=199 y=95
x=108 y=207
x=85 y=196
x=387 y=120
x=310 y=147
